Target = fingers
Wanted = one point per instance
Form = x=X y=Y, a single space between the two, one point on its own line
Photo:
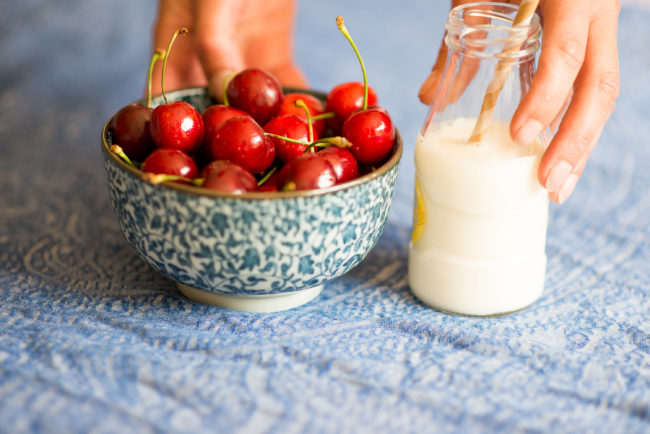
x=468 y=67
x=183 y=66
x=226 y=36
x=215 y=38
x=290 y=75
x=595 y=93
x=562 y=56
x=268 y=39
x=231 y=35
x=429 y=86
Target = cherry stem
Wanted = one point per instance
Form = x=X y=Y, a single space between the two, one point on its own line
x=158 y=178
x=267 y=176
x=341 y=25
x=180 y=31
x=338 y=141
x=117 y=150
x=326 y=115
x=311 y=146
x=326 y=142
x=288 y=139
x=301 y=104
x=159 y=54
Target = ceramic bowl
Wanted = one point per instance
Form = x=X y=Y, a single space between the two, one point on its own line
x=258 y=252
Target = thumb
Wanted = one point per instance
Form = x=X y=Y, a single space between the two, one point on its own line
x=428 y=88
x=217 y=46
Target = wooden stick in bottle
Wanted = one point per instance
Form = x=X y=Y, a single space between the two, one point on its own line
x=504 y=67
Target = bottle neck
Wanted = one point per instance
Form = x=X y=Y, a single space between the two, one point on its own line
x=485 y=31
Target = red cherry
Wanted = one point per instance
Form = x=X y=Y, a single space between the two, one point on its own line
x=372 y=134
x=170 y=161
x=307 y=172
x=130 y=129
x=130 y=125
x=293 y=127
x=376 y=107
x=177 y=125
x=256 y=92
x=314 y=105
x=345 y=98
x=241 y=140
x=228 y=177
x=344 y=164
x=213 y=117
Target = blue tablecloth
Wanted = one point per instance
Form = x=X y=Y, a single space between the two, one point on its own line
x=93 y=340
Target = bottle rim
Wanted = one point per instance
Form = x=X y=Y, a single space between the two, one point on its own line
x=497 y=38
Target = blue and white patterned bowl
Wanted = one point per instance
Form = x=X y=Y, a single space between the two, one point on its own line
x=259 y=252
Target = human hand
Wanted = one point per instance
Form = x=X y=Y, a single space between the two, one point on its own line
x=225 y=36
x=573 y=91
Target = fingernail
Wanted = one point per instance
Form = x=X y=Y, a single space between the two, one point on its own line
x=528 y=132
x=558 y=176
x=217 y=82
x=427 y=88
x=567 y=188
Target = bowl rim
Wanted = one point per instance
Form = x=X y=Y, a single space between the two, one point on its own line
x=396 y=155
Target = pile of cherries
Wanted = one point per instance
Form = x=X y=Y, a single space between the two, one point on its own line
x=259 y=139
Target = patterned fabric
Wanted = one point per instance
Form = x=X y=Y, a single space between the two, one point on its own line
x=92 y=339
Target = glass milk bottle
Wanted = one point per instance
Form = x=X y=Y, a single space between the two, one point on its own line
x=480 y=214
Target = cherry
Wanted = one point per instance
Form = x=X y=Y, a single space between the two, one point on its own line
x=213 y=117
x=256 y=92
x=130 y=125
x=314 y=105
x=343 y=162
x=293 y=127
x=372 y=134
x=241 y=140
x=345 y=98
x=371 y=131
x=306 y=172
x=130 y=129
x=176 y=124
x=377 y=107
x=228 y=177
x=170 y=161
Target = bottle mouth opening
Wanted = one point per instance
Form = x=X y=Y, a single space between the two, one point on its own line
x=485 y=29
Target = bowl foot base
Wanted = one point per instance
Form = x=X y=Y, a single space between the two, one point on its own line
x=252 y=303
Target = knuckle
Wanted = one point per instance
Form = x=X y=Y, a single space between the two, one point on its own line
x=572 y=53
x=204 y=44
x=547 y=96
x=582 y=144
x=608 y=89
x=209 y=45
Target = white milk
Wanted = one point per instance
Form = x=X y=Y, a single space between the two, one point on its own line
x=479 y=225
